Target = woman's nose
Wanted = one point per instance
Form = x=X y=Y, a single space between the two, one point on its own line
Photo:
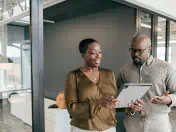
x=98 y=55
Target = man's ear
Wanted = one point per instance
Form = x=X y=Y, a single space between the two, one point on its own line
x=150 y=48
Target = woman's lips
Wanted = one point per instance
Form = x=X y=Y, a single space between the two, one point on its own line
x=97 y=61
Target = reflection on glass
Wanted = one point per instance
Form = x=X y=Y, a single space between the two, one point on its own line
x=15 y=77
x=146 y=24
x=11 y=8
x=172 y=44
x=161 y=38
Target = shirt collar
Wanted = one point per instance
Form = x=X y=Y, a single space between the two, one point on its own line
x=149 y=61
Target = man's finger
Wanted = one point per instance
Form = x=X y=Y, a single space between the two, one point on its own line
x=141 y=101
x=156 y=101
x=160 y=98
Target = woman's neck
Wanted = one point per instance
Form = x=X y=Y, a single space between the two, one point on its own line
x=88 y=68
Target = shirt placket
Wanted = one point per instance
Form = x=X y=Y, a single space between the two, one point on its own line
x=141 y=80
x=140 y=74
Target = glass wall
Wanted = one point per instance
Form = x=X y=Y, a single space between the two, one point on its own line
x=15 y=70
x=146 y=24
x=172 y=44
x=161 y=38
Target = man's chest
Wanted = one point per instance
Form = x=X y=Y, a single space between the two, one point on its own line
x=144 y=75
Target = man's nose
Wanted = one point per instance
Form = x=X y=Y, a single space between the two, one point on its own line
x=137 y=53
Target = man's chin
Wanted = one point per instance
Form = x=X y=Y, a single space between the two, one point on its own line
x=136 y=62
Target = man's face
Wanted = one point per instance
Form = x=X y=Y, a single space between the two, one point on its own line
x=139 y=51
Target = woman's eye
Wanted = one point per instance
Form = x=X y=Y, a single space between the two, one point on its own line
x=92 y=53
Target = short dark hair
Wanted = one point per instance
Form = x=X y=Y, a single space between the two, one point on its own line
x=83 y=45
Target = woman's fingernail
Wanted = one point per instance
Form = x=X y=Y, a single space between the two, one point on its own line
x=116 y=103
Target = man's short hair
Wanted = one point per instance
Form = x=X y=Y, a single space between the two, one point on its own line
x=83 y=45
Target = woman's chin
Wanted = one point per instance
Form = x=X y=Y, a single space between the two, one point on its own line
x=96 y=65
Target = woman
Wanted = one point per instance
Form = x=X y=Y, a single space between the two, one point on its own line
x=90 y=91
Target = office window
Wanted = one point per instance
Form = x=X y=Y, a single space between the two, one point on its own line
x=172 y=44
x=161 y=38
x=146 y=24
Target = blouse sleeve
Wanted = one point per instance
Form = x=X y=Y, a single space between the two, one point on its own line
x=76 y=109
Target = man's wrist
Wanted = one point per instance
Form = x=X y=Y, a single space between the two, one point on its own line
x=169 y=102
x=130 y=112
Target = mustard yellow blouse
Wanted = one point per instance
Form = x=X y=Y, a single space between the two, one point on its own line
x=79 y=89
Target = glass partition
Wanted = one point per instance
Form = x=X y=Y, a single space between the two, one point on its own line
x=172 y=44
x=161 y=38
x=15 y=69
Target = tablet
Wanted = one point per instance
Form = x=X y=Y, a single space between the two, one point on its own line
x=132 y=91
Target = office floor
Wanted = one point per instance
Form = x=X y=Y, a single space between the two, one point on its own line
x=8 y=122
x=173 y=119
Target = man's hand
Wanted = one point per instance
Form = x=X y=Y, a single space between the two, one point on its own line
x=108 y=102
x=163 y=99
x=137 y=105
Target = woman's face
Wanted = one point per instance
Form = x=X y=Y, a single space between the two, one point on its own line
x=93 y=55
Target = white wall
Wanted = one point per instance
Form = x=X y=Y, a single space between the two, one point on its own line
x=166 y=7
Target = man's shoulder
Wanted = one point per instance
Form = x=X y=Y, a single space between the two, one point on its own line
x=126 y=66
x=162 y=63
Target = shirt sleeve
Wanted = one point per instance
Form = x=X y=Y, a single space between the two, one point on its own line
x=85 y=110
x=171 y=86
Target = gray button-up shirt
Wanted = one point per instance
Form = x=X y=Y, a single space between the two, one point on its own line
x=157 y=72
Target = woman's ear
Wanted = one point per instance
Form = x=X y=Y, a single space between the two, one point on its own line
x=83 y=55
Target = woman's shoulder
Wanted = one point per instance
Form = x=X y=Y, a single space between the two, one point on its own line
x=105 y=70
x=73 y=72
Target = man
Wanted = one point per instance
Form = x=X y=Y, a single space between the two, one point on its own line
x=146 y=69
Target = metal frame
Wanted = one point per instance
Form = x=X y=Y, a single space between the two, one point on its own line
x=126 y=3
x=167 y=40
x=37 y=67
x=138 y=21
x=154 y=34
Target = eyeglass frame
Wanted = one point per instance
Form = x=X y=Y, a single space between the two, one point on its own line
x=140 y=51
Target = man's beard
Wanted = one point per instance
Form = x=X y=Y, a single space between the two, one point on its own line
x=137 y=61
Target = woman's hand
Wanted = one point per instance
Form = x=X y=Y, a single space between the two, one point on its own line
x=108 y=102
x=137 y=105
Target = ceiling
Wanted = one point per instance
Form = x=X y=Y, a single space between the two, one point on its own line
x=7 y=4
x=74 y=8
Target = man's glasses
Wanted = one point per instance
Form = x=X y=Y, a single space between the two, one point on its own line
x=134 y=51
